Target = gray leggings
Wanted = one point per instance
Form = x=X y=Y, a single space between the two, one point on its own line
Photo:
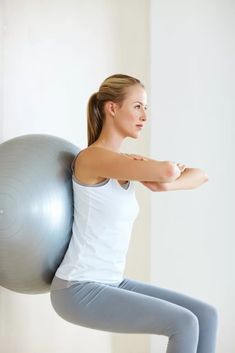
x=137 y=307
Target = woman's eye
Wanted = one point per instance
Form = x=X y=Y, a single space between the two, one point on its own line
x=139 y=106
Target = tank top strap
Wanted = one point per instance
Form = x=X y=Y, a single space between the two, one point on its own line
x=73 y=162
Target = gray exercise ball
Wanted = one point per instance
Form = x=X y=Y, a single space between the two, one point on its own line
x=36 y=210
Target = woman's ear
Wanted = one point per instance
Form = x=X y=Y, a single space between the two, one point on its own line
x=110 y=108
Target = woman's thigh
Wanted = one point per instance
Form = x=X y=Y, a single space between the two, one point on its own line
x=206 y=313
x=200 y=308
x=131 y=307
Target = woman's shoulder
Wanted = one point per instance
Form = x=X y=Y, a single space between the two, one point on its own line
x=92 y=152
x=81 y=169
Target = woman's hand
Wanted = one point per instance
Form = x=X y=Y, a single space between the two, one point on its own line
x=135 y=156
x=181 y=167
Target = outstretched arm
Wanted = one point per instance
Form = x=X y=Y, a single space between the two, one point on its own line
x=190 y=178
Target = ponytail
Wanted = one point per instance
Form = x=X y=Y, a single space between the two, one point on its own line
x=94 y=119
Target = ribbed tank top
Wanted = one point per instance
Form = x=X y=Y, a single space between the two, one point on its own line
x=104 y=214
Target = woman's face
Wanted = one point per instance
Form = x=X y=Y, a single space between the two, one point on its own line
x=132 y=112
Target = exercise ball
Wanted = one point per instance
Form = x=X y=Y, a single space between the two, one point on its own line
x=36 y=210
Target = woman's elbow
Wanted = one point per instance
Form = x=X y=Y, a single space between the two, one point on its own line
x=172 y=172
x=202 y=178
x=206 y=178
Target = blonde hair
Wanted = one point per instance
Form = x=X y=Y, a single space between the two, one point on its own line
x=113 y=88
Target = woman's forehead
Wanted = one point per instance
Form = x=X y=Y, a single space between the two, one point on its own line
x=136 y=94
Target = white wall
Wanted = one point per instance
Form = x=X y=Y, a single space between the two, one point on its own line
x=56 y=54
x=192 y=121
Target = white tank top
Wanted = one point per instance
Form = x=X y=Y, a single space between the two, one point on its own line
x=103 y=218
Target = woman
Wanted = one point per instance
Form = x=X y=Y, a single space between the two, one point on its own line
x=89 y=288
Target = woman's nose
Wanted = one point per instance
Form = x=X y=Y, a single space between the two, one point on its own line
x=144 y=115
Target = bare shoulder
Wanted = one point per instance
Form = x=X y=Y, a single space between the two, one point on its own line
x=86 y=160
x=89 y=154
x=82 y=169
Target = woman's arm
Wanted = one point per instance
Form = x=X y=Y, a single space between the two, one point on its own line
x=190 y=178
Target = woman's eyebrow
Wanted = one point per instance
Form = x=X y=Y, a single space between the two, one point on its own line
x=140 y=103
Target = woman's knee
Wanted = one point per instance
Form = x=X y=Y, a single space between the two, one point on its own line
x=184 y=323
x=209 y=313
x=188 y=321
